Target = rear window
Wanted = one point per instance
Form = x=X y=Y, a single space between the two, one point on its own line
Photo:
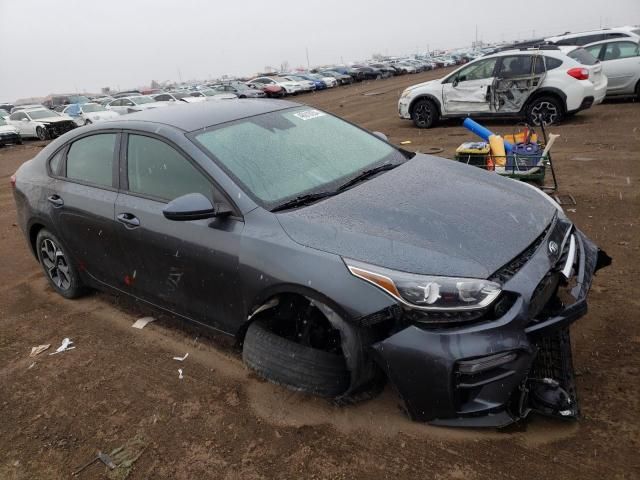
x=552 y=63
x=580 y=55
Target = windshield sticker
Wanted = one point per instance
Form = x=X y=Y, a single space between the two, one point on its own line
x=309 y=114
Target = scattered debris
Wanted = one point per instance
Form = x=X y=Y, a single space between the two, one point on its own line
x=406 y=142
x=31 y=366
x=572 y=210
x=180 y=377
x=64 y=346
x=181 y=359
x=124 y=457
x=103 y=457
x=38 y=350
x=142 y=322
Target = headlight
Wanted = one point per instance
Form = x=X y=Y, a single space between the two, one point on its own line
x=406 y=93
x=428 y=292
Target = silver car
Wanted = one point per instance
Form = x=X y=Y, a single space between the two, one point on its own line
x=620 y=63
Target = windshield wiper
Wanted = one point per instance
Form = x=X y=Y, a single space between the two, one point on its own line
x=303 y=200
x=366 y=174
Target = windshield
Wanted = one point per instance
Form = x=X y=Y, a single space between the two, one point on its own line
x=281 y=155
x=141 y=99
x=37 y=114
x=93 y=107
x=78 y=99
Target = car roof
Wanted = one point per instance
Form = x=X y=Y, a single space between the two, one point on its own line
x=194 y=116
x=568 y=35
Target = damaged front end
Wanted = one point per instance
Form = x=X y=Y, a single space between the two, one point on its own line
x=493 y=369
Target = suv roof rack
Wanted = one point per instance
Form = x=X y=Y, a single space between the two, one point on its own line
x=540 y=44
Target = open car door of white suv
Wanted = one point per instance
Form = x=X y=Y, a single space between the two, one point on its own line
x=468 y=90
x=517 y=77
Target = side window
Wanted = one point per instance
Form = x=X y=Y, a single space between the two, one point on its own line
x=515 y=66
x=552 y=63
x=478 y=70
x=116 y=103
x=616 y=50
x=162 y=98
x=158 y=170
x=90 y=159
x=17 y=116
x=127 y=103
x=55 y=163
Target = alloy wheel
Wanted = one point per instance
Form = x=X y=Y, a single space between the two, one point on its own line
x=423 y=114
x=545 y=112
x=55 y=264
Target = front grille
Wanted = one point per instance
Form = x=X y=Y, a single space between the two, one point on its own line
x=506 y=272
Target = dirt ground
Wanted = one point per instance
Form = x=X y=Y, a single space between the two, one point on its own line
x=120 y=386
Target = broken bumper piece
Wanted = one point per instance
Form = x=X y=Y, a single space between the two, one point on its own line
x=493 y=373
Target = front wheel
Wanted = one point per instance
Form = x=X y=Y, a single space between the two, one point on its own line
x=61 y=273
x=41 y=133
x=544 y=111
x=424 y=113
x=293 y=365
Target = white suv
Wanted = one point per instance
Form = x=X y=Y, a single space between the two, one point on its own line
x=539 y=84
x=583 y=38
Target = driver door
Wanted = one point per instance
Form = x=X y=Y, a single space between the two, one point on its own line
x=469 y=90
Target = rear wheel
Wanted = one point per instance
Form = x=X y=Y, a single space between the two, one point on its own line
x=544 y=110
x=60 y=271
x=41 y=133
x=424 y=113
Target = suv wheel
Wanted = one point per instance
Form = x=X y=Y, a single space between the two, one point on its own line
x=424 y=113
x=296 y=366
x=57 y=265
x=545 y=110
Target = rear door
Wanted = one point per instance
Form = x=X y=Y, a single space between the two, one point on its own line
x=81 y=202
x=621 y=63
x=469 y=90
x=187 y=267
x=517 y=77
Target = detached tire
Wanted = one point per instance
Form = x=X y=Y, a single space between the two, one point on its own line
x=295 y=366
x=424 y=113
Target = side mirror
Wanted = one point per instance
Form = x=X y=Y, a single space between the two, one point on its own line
x=25 y=119
x=455 y=82
x=194 y=206
x=381 y=136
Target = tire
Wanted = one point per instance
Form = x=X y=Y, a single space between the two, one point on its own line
x=41 y=133
x=58 y=267
x=550 y=108
x=638 y=91
x=293 y=365
x=424 y=113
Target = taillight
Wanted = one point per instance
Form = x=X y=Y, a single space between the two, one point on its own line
x=13 y=181
x=579 y=73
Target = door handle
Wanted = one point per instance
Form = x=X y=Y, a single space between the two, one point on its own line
x=56 y=200
x=129 y=220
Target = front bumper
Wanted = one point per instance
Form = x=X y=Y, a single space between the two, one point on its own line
x=477 y=375
x=9 y=138
x=403 y=108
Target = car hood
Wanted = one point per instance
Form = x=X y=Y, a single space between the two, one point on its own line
x=429 y=216
x=53 y=119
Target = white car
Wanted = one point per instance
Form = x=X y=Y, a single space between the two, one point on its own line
x=538 y=84
x=620 y=60
x=215 y=94
x=584 y=38
x=307 y=85
x=132 y=104
x=290 y=88
x=88 y=113
x=41 y=122
x=174 y=97
x=9 y=134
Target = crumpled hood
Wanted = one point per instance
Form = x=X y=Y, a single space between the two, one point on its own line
x=54 y=119
x=428 y=216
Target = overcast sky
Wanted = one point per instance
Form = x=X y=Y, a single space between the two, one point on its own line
x=81 y=45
